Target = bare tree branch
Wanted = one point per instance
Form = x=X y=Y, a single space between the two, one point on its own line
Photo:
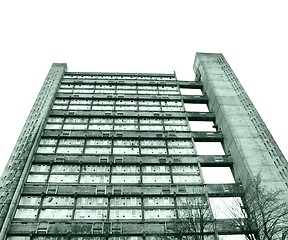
x=266 y=213
x=195 y=219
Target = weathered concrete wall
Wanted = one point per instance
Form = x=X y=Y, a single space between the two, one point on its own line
x=247 y=139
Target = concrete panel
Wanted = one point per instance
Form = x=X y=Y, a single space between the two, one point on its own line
x=241 y=131
x=216 y=102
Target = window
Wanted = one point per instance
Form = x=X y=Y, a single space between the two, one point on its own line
x=66 y=86
x=63 y=179
x=126 y=127
x=125 y=214
x=150 y=103
x=126 y=102
x=158 y=201
x=55 y=119
x=172 y=109
x=141 y=87
x=37 y=178
x=126 y=120
x=176 y=128
x=83 y=91
x=90 y=214
x=70 y=150
x=125 y=201
x=74 y=127
x=175 y=121
x=151 y=128
x=80 y=102
x=58 y=201
x=155 y=169
x=94 y=179
x=147 y=92
x=65 y=168
x=103 y=102
x=125 y=179
x=101 y=120
x=153 y=151
x=39 y=168
x=71 y=141
x=126 y=87
x=59 y=107
x=186 y=179
x=232 y=237
x=95 y=142
x=159 y=214
x=157 y=143
x=181 y=151
x=126 y=108
x=125 y=169
x=76 y=120
x=171 y=103
x=29 y=201
x=48 y=141
x=79 y=107
x=26 y=213
x=18 y=238
x=156 y=179
x=149 y=108
x=101 y=127
x=180 y=143
x=126 y=91
x=185 y=169
x=97 y=150
x=126 y=142
x=55 y=213
x=95 y=168
x=53 y=126
x=125 y=150
x=192 y=201
x=150 y=121
x=101 y=108
x=61 y=101
x=91 y=201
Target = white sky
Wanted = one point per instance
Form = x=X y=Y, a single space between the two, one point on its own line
x=141 y=36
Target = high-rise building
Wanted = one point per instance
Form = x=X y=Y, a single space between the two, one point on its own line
x=119 y=155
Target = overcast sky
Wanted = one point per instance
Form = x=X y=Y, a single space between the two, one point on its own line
x=141 y=36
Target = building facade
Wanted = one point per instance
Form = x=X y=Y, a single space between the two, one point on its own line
x=122 y=155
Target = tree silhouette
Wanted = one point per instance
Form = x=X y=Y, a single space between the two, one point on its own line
x=195 y=220
x=265 y=213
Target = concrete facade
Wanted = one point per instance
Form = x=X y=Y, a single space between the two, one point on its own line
x=114 y=155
